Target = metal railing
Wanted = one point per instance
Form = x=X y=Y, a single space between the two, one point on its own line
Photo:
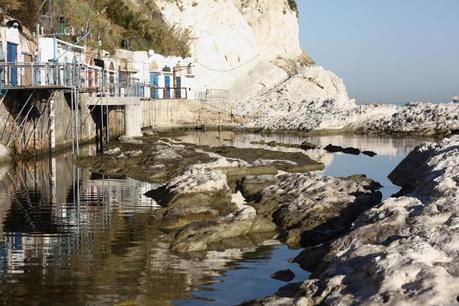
x=164 y=93
x=40 y=74
x=84 y=78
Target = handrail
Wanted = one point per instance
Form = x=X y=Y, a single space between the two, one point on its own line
x=85 y=78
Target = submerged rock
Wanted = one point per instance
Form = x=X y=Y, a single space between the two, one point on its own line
x=284 y=275
x=403 y=252
x=333 y=149
x=179 y=216
x=201 y=236
x=369 y=153
x=349 y=150
x=285 y=161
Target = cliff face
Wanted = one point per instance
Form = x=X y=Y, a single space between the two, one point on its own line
x=236 y=42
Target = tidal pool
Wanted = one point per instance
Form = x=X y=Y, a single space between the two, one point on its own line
x=69 y=237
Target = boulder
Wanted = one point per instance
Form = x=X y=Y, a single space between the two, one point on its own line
x=284 y=275
x=202 y=186
x=403 y=252
x=311 y=209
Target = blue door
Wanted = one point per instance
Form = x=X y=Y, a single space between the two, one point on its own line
x=154 y=82
x=178 y=87
x=12 y=57
x=167 y=85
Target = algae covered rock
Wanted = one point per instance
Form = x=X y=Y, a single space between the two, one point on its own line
x=204 y=235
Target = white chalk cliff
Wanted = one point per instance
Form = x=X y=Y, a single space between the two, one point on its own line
x=252 y=49
x=236 y=42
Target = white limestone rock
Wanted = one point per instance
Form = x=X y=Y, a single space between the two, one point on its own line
x=310 y=208
x=315 y=99
x=404 y=252
x=4 y=152
x=198 y=181
x=419 y=118
x=309 y=100
x=235 y=51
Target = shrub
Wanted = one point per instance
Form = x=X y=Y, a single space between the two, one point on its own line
x=293 y=6
x=111 y=21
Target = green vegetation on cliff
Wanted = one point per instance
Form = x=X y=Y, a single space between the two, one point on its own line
x=293 y=6
x=139 y=22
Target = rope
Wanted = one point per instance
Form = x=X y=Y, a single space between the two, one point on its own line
x=229 y=69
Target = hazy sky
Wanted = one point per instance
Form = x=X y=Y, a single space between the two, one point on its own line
x=386 y=50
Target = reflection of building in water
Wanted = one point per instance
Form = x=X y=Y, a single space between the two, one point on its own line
x=50 y=208
x=121 y=192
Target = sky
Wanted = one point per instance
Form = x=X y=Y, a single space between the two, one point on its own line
x=386 y=51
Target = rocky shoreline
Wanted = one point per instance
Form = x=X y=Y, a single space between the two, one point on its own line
x=213 y=194
x=401 y=252
x=316 y=100
x=359 y=250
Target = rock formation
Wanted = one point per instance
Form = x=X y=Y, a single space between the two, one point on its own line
x=252 y=49
x=310 y=209
x=403 y=252
x=245 y=49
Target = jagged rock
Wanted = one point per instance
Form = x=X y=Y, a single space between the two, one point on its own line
x=316 y=100
x=310 y=209
x=403 y=252
x=196 y=185
x=284 y=275
x=165 y=153
x=417 y=118
x=252 y=186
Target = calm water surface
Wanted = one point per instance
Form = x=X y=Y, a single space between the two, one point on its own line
x=69 y=237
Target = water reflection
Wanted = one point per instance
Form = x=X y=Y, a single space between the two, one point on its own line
x=69 y=237
x=383 y=145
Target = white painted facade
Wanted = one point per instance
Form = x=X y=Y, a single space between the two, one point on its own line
x=55 y=50
x=144 y=74
x=11 y=36
x=157 y=73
